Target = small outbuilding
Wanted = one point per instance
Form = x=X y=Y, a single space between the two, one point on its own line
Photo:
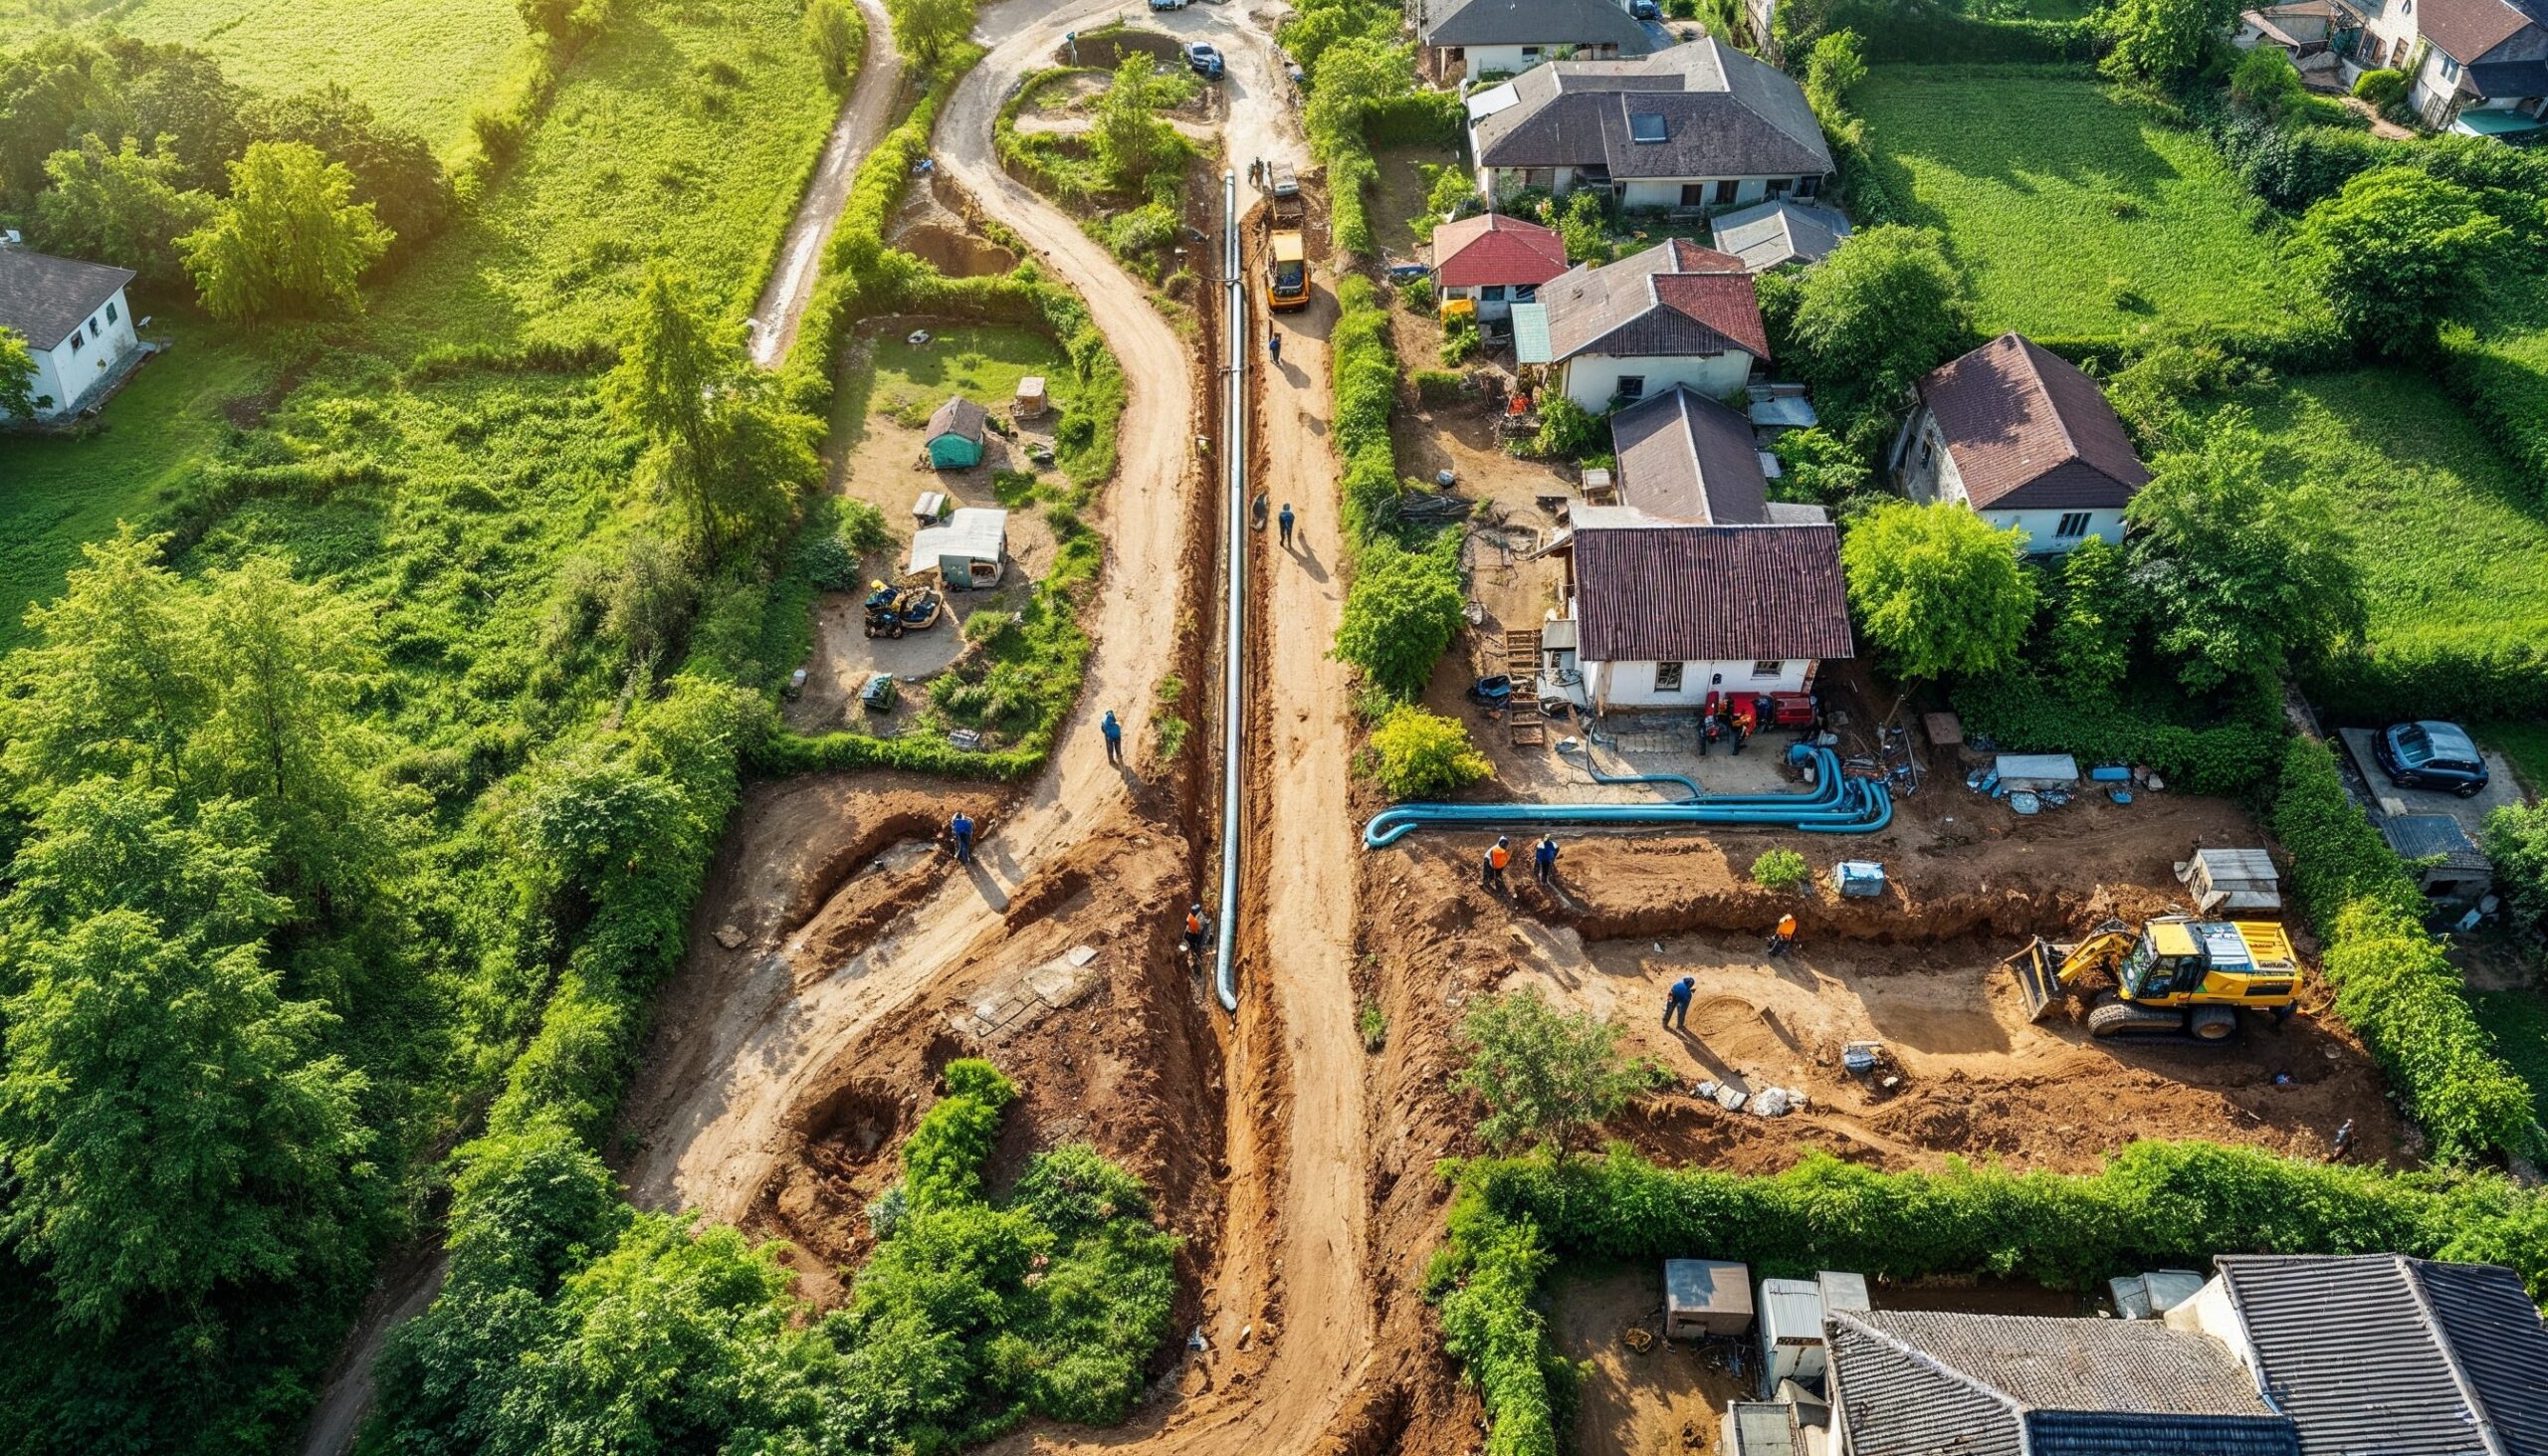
x=956 y=434
x=2446 y=865
x=1792 y=1313
x=1030 y=398
x=1494 y=260
x=969 y=550
x=1704 y=1298
x=1773 y=234
x=2232 y=879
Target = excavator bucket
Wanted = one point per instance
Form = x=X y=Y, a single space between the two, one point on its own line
x=2039 y=971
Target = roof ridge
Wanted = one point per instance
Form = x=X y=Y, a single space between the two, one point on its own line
x=2015 y=1408
x=2409 y=1270
x=2026 y=351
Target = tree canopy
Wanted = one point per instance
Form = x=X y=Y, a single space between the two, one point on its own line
x=123 y=206
x=2167 y=41
x=287 y=240
x=1884 y=309
x=1401 y=619
x=927 y=29
x=18 y=397
x=2241 y=575
x=2392 y=249
x=1938 y=589
x=1545 y=1076
x=1132 y=142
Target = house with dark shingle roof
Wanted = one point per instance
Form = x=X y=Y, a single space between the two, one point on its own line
x=1698 y=127
x=1675 y=314
x=1694 y=585
x=76 y=321
x=1495 y=260
x=1470 y=39
x=2473 y=66
x=2380 y=1352
x=1922 y=1383
x=2019 y=435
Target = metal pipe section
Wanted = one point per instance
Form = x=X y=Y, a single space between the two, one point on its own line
x=1235 y=338
x=1836 y=805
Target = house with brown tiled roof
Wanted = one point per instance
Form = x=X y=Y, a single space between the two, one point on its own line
x=2019 y=435
x=1693 y=584
x=1675 y=314
x=2474 y=65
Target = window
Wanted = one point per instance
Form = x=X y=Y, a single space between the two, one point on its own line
x=1767 y=669
x=1526 y=292
x=1928 y=451
x=1667 y=677
x=1491 y=294
x=2073 y=524
x=1725 y=190
x=1778 y=187
x=1645 y=127
x=75 y=340
x=1633 y=386
x=1530 y=55
x=1694 y=194
x=2450 y=68
x=1807 y=186
x=110 y=313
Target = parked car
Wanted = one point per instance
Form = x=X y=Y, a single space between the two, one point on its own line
x=1203 y=59
x=1167 y=4
x=2430 y=755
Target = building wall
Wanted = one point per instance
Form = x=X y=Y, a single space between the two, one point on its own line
x=1478 y=61
x=67 y=374
x=1593 y=380
x=1492 y=307
x=1631 y=685
x=1922 y=463
x=1648 y=192
x=2043 y=526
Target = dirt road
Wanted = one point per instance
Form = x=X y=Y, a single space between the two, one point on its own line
x=863 y=121
x=712 y=1143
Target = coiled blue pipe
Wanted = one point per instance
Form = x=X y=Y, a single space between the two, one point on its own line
x=1836 y=805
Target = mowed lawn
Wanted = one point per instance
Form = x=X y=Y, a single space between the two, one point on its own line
x=2454 y=547
x=421 y=64
x=2073 y=213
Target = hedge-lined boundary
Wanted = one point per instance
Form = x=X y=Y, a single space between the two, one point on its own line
x=2391 y=982
x=2155 y=1204
x=2230 y=759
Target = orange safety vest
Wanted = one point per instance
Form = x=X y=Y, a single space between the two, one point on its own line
x=1787 y=925
x=1193 y=923
x=1499 y=857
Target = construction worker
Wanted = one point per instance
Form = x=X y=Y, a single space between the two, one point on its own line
x=1194 y=931
x=1676 y=1002
x=1274 y=347
x=1782 y=940
x=1285 y=521
x=1114 y=732
x=1743 y=722
x=2344 y=1141
x=961 y=829
x=1544 y=859
x=1498 y=856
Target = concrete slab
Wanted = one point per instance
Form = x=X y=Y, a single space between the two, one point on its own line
x=2501 y=789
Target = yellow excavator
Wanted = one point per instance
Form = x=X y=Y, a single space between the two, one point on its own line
x=2178 y=976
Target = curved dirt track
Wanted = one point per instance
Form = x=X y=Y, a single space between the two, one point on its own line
x=863 y=122
x=712 y=1144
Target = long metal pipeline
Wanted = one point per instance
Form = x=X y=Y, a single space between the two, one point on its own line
x=1836 y=805
x=1235 y=340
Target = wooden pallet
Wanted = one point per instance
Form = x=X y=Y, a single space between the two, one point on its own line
x=1522 y=665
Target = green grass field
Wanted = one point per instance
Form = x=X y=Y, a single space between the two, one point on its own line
x=2451 y=540
x=2073 y=212
x=421 y=64
x=982 y=364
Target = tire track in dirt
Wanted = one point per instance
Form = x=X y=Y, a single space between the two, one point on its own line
x=714 y=1146
x=863 y=122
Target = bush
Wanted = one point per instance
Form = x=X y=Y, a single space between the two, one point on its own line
x=1459 y=339
x=2023 y=712
x=1566 y=431
x=1415 y=754
x=837 y=35
x=2385 y=89
x=2517 y=843
x=1400 y=613
x=1781 y=869
x=1440 y=386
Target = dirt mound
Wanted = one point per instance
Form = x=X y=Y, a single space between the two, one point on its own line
x=957 y=254
x=1108 y=48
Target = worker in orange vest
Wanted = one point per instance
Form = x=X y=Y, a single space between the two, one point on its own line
x=1497 y=858
x=1194 y=931
x=1784 y=940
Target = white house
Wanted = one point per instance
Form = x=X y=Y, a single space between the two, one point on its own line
x=1695 y=585
x=2019 y=435
x=75 y=320
x=1699 y=127
x=1468 y=39
x=2477 y=65
x=1675 y=314
x=1495 y=260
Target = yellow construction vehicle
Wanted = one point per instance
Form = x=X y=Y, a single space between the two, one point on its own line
x=2177 y=975
x=1287 y=272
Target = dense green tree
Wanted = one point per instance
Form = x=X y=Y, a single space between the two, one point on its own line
x=1317 y=26
x=1884 y=309
x=18 y=397
x=170 y=1124
x=182 y=107
x=125 y=207
x=1837 y=63
x=1819 y=467
x=1132 y=142
x=2264 y=79
x=2392 y=252
x=2517 y=843
x=926 y=30
x=1353 y=76
x=1401 y=616
x=114 y=683
x=287 y=240
x=2167 y=41
x=395 y=172
x=835 y=34
x=2093 y=618
x=1937 y=588
x=46 y=90
x=1545 y=1076
x=2241 y=575
x=1416 y=751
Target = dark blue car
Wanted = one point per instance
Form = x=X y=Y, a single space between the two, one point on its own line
x=2431 y=754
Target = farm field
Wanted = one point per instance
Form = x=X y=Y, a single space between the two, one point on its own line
x=421 y=64
x=2073 y=212
x=2451 y=535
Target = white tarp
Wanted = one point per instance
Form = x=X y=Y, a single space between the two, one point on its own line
x=970 y=533
x=2037 y=770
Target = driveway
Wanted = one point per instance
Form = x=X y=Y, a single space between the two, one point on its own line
x=2501 y=789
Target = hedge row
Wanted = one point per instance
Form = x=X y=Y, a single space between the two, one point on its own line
x=2390 y=978
x=2508 y=397
x=2155 y=1204
x=2506 y=679
x=2017 y=709
x=1924 y=33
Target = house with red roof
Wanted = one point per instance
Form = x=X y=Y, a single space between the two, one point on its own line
x=1675 y=314
x=1495 y=262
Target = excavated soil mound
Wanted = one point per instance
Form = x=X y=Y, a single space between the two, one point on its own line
x=957 y=254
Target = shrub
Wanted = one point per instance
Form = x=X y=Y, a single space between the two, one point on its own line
x=862 y=526
x=1415 y=752
x=1459 y=339
x=2392 y=250
x=1401 y=614
x=2385 y=89
x=1937 y=588
x=2517 y=843
x=837 y=35
x=1440 y=386
x=1781 y=869
x=1545 y=1076
x=1567 y=430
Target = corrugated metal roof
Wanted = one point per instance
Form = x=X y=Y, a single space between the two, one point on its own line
x=2395 y=1355
x=1699 y=593
x=1707 y=1284
x=1531 y=334
x=1791 y=1309
x=975 y=532
x=1762 y=1428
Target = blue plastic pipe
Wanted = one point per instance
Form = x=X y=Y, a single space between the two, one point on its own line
x=1835 y=805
